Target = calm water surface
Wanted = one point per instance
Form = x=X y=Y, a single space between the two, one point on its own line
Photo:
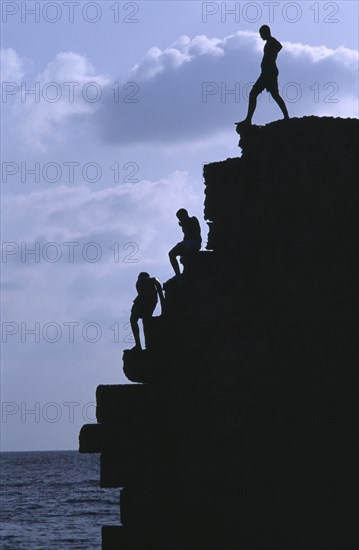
x=52 y=500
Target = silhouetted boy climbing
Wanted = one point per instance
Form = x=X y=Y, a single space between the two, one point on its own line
x=148 y=288
x=268 y=78
x=191 y=242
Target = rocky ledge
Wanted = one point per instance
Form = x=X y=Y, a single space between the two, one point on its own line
x=241 y=430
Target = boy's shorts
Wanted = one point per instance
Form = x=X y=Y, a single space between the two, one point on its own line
x=186 y=247
x=268 y=81
x=143 y=308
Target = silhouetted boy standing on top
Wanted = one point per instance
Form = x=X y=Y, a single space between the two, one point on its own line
x=268 y=78
x=192 y=239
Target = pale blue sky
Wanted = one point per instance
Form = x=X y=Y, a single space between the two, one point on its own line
x=161 y=141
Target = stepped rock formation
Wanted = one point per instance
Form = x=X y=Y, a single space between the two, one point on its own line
x=241 y=431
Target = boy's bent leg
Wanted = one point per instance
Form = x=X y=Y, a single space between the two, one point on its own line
x=176 y=251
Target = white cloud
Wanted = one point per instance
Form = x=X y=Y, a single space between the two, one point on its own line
x=142 y=213
x=318 y=53
x=182 y=51
x=185 y=90
x=82 y=292
x=67 y=88
x=12 y=66
x=186 y=93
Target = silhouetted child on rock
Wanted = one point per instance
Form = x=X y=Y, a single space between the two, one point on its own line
x=148 y=289
x=191 y=242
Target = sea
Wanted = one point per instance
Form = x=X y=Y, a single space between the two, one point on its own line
x=52 y=500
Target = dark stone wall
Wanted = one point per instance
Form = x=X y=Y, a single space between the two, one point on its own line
x=242 y=433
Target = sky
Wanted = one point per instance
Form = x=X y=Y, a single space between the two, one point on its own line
x=109 y=111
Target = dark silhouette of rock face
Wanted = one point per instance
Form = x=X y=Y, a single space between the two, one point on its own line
x=243 y=434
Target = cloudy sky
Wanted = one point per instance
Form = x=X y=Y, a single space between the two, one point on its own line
x=109 y=110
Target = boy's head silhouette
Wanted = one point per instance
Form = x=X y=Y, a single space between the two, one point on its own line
x=143 y=275
x=182 y=214
x=264 y=31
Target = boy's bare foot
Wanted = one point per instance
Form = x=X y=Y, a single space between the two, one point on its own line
x=136 y=348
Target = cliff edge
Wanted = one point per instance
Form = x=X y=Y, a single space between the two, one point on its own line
x=241 y=431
